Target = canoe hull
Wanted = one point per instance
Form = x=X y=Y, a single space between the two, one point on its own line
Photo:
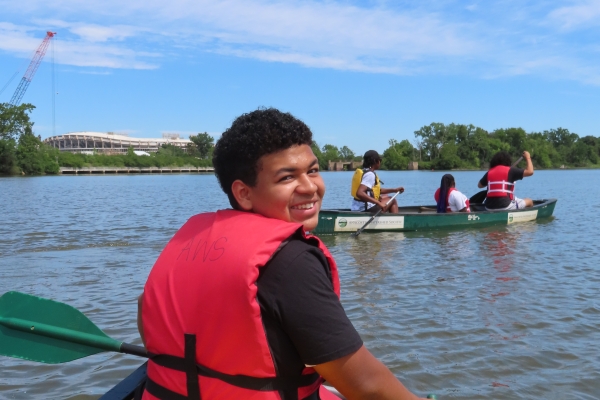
x=425 y=218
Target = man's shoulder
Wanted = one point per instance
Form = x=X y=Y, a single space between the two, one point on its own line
x=515 y=174
x=298 y=246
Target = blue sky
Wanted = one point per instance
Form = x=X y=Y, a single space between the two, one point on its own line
x=359 y=73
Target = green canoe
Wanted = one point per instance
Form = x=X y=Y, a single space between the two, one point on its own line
x=419 y=218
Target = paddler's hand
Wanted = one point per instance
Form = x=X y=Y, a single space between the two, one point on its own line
x=526 y=155
x=384 y=207
x=399 y=189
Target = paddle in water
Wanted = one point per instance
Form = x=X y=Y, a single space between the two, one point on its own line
x=42 y=330
x=362 y=228
x=479 y=197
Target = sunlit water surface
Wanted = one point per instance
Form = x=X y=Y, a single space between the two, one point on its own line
x=502 y=312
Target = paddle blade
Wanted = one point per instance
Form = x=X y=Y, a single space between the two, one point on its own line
x=37 y=329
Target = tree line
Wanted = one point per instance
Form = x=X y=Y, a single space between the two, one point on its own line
x=22 y=152
x=457 y=146
x=436 y=146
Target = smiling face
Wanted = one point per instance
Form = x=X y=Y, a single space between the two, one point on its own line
x=289 y=187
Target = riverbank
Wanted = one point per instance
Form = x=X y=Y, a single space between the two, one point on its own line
x=132 y=170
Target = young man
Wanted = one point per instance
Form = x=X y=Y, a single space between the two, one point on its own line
x=500 y=181
x=242 y=304
x=366 y=190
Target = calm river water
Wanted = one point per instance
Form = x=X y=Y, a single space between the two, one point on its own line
x=508 y=312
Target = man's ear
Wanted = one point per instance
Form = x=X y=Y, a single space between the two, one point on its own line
x=242 y=194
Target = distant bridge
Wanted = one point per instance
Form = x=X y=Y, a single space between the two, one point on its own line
x=343 y=165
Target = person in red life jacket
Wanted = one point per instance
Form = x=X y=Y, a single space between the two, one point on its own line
x=242 y=303
x=500 y=182
x=368 y=195
x=449 y=199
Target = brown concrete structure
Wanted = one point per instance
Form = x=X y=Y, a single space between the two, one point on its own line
x=339 y=165
x=413 y=165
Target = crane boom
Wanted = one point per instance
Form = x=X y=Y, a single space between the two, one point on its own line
x=33 y=66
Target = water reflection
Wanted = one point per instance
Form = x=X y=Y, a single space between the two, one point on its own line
x=502 y=312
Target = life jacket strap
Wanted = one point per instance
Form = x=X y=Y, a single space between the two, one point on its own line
x=505 y=187
x=193 y=388
x=161 y=392
x=288 y=386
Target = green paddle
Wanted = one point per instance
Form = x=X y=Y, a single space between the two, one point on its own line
x=37 y=329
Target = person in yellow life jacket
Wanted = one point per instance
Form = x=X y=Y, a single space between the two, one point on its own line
x=500 y=182
x=242 y=303
x=367 y=193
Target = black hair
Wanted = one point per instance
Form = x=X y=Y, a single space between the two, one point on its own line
x=251 y=136
x=370 y=158
x=445 y=185
x=500 y=158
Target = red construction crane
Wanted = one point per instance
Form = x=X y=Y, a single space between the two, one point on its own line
x=33 y=66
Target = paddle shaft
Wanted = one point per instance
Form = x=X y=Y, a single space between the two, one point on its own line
x=362 y=228
x=104 y=343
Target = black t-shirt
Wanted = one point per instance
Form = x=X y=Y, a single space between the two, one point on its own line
x=514 y=174
x=304 y=320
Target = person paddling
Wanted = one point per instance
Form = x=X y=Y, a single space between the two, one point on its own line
x=243 y=303
x=366 y=190
x=449 y=199
x=500 y=181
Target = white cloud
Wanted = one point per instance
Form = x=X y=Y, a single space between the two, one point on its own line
x=82 y=52
x=505 y=37
x=580 y=15
x=97 y=33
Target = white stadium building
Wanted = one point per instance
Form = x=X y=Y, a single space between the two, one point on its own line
x=112 y=143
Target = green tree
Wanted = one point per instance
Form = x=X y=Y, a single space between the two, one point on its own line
x=448 y=158
x=346 y=154
x=170 y=150
x=398 y=155
x=330 y=153
x=34 y=157
x=514 y=138
x=319 y=154
x=8 y=156
x=432 y=137
x=204 y=143
x=14 y=121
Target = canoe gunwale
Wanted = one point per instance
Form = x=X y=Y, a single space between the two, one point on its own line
x=537 y=204
x=419 y=218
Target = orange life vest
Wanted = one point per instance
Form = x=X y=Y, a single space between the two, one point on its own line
x=498 y=185
x=201 y=318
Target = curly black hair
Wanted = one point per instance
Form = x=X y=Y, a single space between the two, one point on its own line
x=500 y=158
x=253 y=135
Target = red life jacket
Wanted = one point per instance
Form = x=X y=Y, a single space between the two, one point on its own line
x=448 y=209
x=498 y=185
x=201 y=318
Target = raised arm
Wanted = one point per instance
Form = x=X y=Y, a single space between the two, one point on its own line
x=361 y=376
x=529 y=170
